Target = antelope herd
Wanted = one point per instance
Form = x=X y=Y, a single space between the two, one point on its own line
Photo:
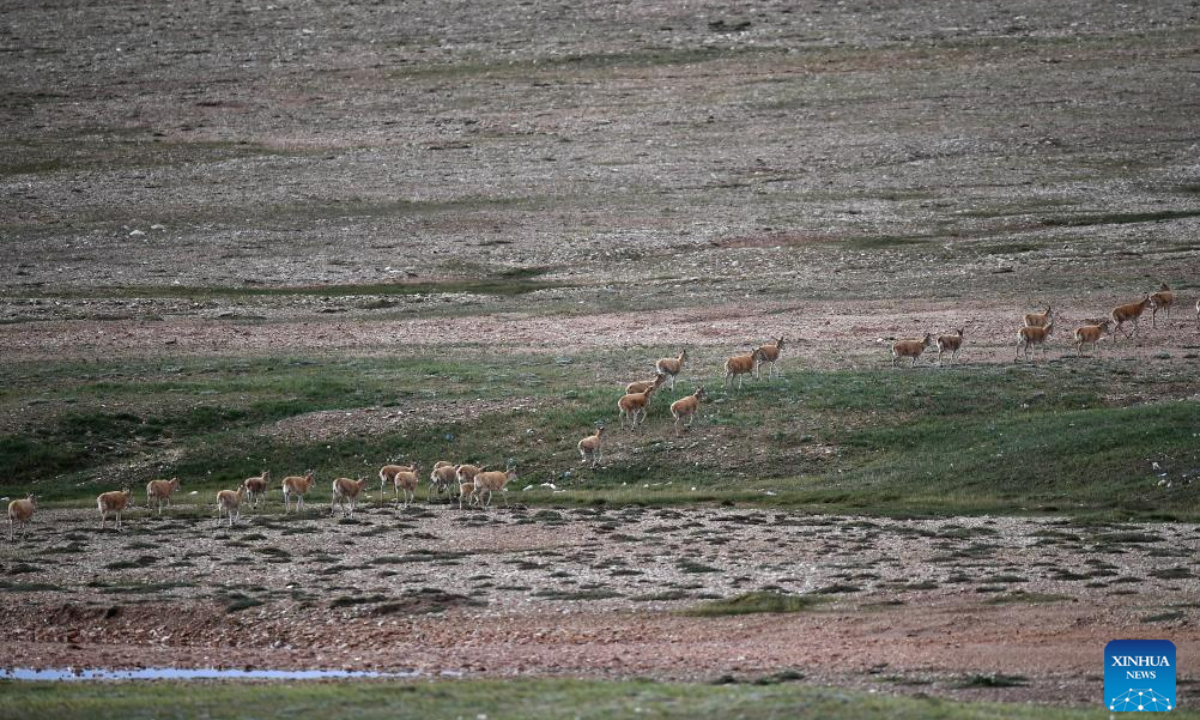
x=477 y=485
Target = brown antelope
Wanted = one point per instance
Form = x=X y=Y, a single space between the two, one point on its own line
x=950 y=344
x=465 y=474
x=406 y=482
x=387 y=476
x=464 y=489
x=911 y=349
x=1128 y=313
x=346 y=490
x=493 y=481
x=114 y=502
x=1038 y=319
x=229 y=502
x=257 y=487
x=1090 y=335
x=686 y=407
x=160 y=491
x=440 y=477
x=591 y=447
x=670 y=367
x=297 y=486
x=20 y=511
x=640 y=386
x=1029 y=336
x=770 y=354
x=634 y=405
x=740 y=365
x=1161 y=300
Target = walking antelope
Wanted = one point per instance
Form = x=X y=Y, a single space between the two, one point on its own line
x=406 y=482
x=1128 y=313
x=1161 y=300
x=465 y=474
x=440 y=477
x=345 y=491
x=159 y=492
x=911 y=349
x=1090 y=335
x=20 y=511
x=229 y=502
x=387 y=476
x=770 y=353
x=1029 y=336
x=634 y=405
x=951 y=344
x=686 y=407
x=493 y=481
x=740 y=365
x=114 y=502
x=591 y=447
x=670 y=367
x=256 y=487
x=297 y=486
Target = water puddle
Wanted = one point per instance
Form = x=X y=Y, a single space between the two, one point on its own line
x=200 y=674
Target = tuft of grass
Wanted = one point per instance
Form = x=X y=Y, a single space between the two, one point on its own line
x=1024 y=597
x=755 y=602
x=993 y=680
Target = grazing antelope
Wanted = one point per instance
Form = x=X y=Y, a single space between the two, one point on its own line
x=1161 y=300
x=770 y=354
x=387 y=476
x=1038 y=319
x=20 y=511
x=1028 y=336
x=160 y=491
x=686 y=407
x=951 y=344
x=592 y=447
x=634 y=405
x=670 y=367
x=229 y=502
x=257 y=487
x=1128 y=313
x=740 y=365
x=406 y=482
x=440 y=477
x=113 y=502
x=1090 y=335
x=346 y=490
x=911 y=349
x=298 y=486
x=493 y=481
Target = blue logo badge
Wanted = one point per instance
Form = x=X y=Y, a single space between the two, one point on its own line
x=1139 y=675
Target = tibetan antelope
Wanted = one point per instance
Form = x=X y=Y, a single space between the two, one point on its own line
x=770 y=353
x=686 y=407
x=634 y=405
x=1039 y=319
x=591 y=447
x=229 y=502
x=114 y=502
x=257 y=487
x=670 y=367
x=1161 y=300
x=159 y=492
x=950 y=344
x=387 y=476
x=406 y=482
x=1090 y=335
x=297 y=486
x=440 y=477
x=493 y=481
x=1029 y=336
x=465 y=474
x=1128 y=313
x=740 y=365
x=345 y=491
x=20 y=511
x=911 y=349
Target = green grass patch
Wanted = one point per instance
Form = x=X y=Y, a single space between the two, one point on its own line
x=755 y=602
x=1022 y=597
